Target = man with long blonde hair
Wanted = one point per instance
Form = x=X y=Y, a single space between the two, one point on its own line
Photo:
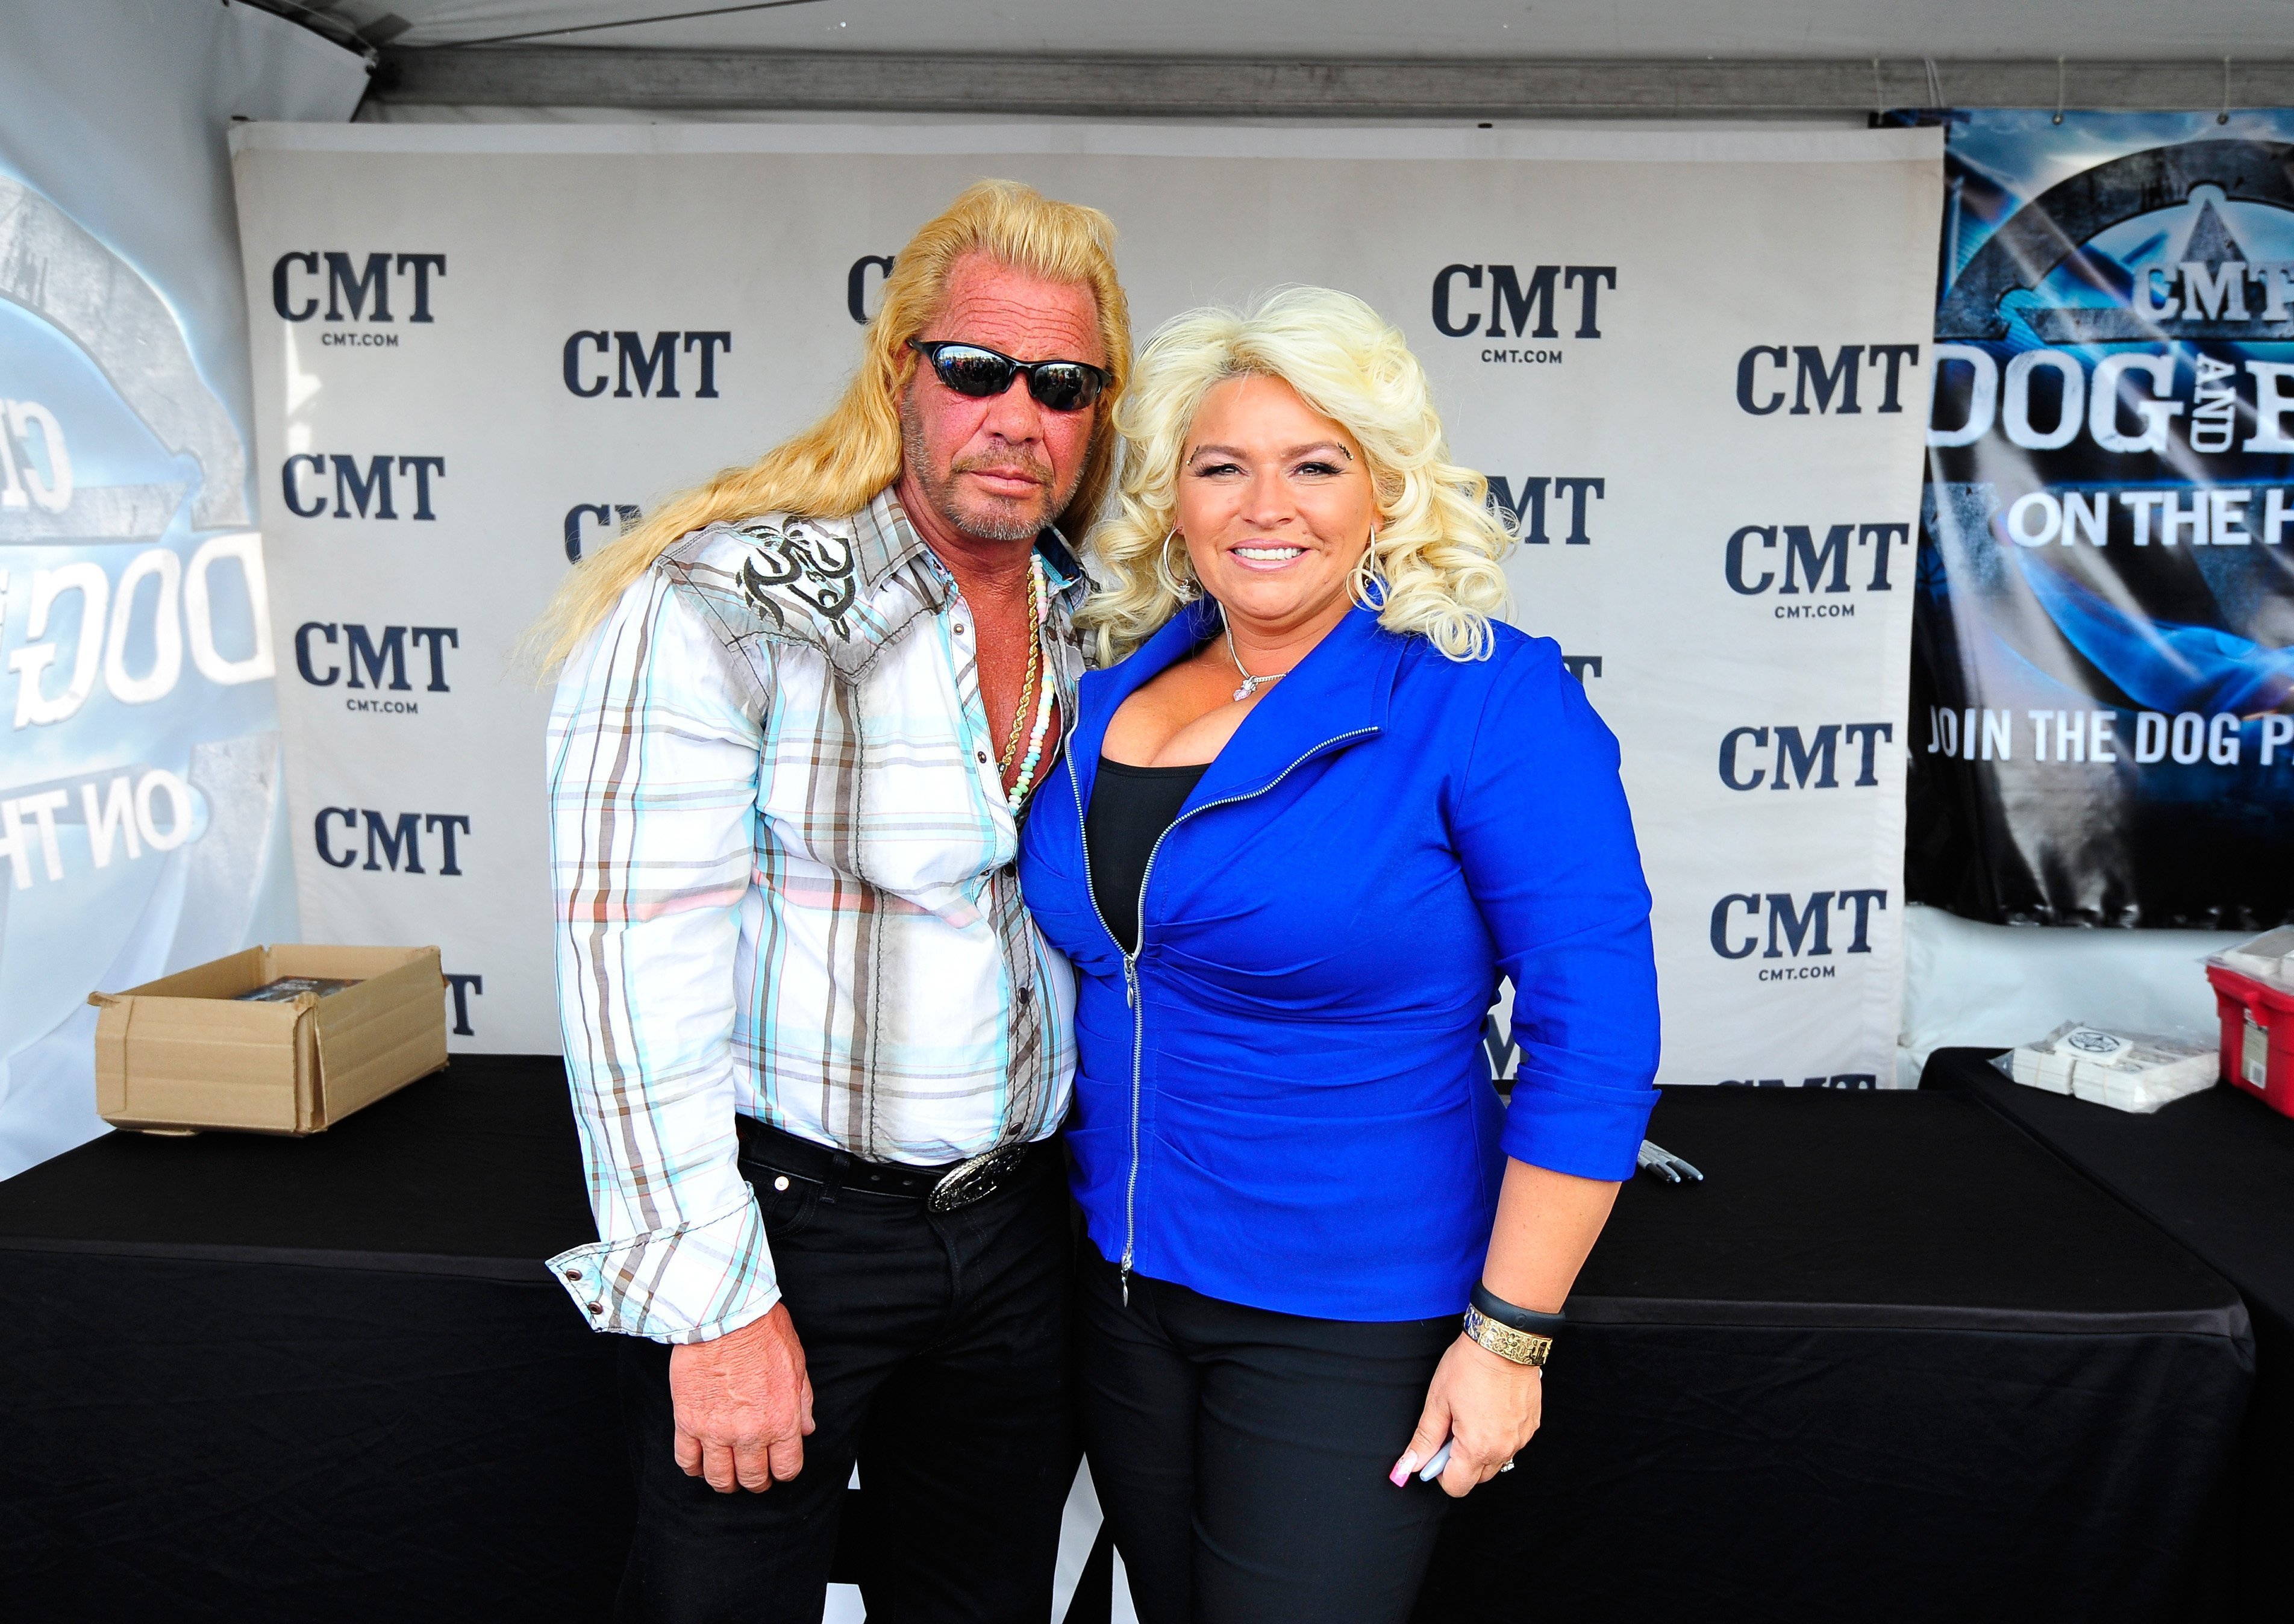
x=817 y=1048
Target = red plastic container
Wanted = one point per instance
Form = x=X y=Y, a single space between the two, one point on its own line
x=2257 y=1036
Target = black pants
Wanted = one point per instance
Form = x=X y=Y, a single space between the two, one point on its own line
x=938 y=1349
x=1240 y=1456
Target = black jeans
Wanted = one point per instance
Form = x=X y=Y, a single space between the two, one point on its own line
x=938 y=1348
x=1240 y=1456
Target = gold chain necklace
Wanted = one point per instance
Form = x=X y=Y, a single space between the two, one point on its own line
x=1010 y=753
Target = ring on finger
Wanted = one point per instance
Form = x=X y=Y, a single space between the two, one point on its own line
x=1507 y=1468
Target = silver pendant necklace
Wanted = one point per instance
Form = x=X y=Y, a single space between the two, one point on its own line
x=1249 y=683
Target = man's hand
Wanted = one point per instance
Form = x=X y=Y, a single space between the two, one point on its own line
x=744 y=1404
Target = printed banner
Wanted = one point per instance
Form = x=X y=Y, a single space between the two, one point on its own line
x=2104 y=694
x=1696 y=365
x=139 y=787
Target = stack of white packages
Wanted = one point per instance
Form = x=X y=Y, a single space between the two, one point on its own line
x=2268 y=958
x=2126 y=1072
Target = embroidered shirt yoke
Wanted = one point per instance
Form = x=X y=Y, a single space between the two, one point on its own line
x=784 y=868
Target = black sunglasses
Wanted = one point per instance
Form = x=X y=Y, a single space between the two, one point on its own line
x=982 y=373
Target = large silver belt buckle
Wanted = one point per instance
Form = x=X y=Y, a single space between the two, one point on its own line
x=969 y=1181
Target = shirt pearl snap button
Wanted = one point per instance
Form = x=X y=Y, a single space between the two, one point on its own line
x=574 y=1274
x=781 y=1183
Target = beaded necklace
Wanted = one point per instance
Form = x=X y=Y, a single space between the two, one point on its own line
x=1040 y=611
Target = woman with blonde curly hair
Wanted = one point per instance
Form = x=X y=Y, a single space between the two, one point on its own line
x=1318 y=803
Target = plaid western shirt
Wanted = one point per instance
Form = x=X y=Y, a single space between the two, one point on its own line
x=784 y=867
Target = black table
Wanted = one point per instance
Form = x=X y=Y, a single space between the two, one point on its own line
x=1891 y=1360
x=2215 y=1171
x=251 y=1378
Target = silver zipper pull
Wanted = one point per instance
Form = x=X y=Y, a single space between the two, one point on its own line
x=1130 y=984
x=1126 y=1282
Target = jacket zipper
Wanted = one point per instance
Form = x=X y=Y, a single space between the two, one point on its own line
x=1131 y=994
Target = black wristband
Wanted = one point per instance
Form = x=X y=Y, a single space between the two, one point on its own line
x=1495 y=1308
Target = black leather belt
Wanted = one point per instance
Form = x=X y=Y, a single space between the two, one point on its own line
x=942 y=1189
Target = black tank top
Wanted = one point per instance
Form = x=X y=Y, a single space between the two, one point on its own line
x=1131 y=806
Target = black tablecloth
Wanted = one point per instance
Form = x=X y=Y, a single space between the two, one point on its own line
x=1891 y=1360
x=251 y=1378
x=2216 y=1171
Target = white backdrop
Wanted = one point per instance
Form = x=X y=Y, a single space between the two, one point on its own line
x=1697 y=362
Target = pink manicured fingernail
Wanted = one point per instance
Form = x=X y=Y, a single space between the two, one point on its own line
x=1403 y=1468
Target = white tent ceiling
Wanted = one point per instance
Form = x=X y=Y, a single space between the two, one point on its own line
x=2079 y=30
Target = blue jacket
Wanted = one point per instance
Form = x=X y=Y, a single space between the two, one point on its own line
x=1282 y=1101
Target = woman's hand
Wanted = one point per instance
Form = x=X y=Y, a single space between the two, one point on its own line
x=1488 y=1407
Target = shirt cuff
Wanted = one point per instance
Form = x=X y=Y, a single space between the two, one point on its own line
x=694 y=1283
x=1585 y=1129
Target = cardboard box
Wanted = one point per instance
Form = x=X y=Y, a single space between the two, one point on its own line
x=183 y=1054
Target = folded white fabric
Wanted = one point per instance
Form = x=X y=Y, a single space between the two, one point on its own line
x=2126 y=1071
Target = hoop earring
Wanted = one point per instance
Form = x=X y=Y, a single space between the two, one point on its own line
x=1185 y=591
x=1367 y=584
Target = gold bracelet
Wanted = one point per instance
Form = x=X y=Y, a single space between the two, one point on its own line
x=1514 y=1347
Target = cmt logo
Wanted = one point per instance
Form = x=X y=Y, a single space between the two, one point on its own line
x=1761 y=376
x=370 y=656
x=855 y=283
x=652 y=368
x=1513 y=299
x=1795 y=928
x=620 y=513
x=1582 y=666
x=1527 y=508
x=357 y=487
x=361 y=288
x=1853 y=1081
x=461 y=988
x=1751 y=564
x=1804 y=763
x=2195 y=291
x=395 y=843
